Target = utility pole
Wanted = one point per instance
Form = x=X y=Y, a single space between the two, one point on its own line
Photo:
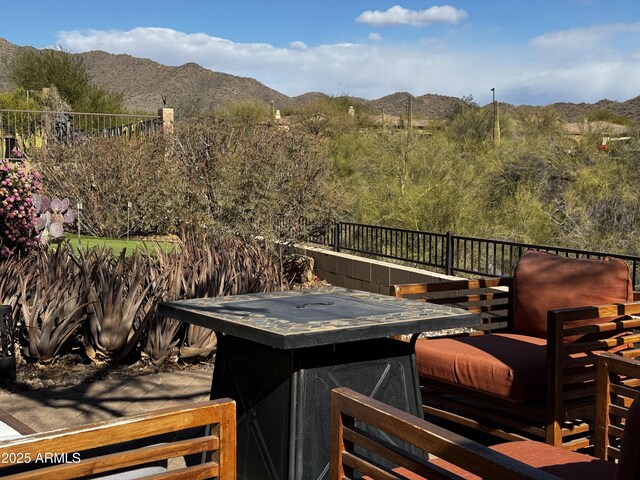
x=410 y=114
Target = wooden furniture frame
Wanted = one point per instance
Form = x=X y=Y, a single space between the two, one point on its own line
x=617 y=385
x=565 y=418
x=353 y=416
x=349 y=407
x=81 y=450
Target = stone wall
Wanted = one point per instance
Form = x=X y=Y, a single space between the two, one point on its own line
x=350 y=271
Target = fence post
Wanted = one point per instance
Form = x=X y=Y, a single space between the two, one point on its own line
x=449 y=253
x=166 y=119
x=336 y=237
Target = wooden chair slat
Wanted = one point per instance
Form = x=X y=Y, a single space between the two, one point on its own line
x=349 y=406
x=219 y=441
x=600 y=345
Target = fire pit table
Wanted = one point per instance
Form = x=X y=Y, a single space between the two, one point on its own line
x=280 y=354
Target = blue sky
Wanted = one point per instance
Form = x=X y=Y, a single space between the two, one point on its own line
x=532 y=52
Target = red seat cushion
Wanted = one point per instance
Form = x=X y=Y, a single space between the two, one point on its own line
x=543 y=282
x=510 y=366
x=629 y=464
x=562 y=463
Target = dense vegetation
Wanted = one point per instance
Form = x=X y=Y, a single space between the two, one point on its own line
x=236 y=170
x=213 y=174
x=538 y=185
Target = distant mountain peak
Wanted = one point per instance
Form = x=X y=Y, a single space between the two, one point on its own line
x=144 y=83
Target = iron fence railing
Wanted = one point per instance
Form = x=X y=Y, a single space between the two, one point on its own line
x=24 y=130
x=452 y=254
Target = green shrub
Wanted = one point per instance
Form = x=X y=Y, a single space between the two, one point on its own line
x=38 y=69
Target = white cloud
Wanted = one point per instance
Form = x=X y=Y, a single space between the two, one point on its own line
x=398 y=15
x=582 y=39
x=375 y=37
x=374 y=70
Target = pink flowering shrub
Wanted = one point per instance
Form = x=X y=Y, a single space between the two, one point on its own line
x=17 y=211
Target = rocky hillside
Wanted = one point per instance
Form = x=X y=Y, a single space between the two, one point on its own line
x=146 y=85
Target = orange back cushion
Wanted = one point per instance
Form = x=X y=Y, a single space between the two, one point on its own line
x=543 y=282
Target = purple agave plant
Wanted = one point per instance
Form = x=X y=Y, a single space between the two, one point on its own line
x=52 y=215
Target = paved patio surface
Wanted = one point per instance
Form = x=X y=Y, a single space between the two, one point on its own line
x=101 y=400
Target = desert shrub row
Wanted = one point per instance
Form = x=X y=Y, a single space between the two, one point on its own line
x=211 y=175
x=107 y=304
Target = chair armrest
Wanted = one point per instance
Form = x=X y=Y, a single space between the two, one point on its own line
x=571 y=368
x=129 y=443
x=489 y=297
x=347 y=407
x=15 y=424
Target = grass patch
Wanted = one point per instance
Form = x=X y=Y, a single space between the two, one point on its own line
x=119 y=244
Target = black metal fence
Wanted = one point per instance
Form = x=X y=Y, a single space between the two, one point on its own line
x=449 y=253
x=22 y=131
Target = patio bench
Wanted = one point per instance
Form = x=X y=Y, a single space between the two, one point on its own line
x=137 y=446
x=365 y=435
x=529 y=371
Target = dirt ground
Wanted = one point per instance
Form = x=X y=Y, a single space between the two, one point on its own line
x=73 y=369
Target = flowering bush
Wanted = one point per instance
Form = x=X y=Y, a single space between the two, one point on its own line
x=17 y=212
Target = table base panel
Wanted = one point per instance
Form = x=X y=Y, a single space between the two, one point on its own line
x=283 y=398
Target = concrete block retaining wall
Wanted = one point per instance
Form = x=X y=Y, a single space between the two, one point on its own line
x=350 y=271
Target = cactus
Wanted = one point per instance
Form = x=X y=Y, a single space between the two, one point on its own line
x=52 y=215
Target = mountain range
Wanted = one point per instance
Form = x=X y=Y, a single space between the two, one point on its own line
x=146 y=86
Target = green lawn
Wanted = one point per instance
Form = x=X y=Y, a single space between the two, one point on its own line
x=118 y=244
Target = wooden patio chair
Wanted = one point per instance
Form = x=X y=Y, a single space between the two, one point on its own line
x=366 y=435
x=529 y=371
x=138 y=446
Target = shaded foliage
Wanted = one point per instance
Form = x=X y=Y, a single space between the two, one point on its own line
x=53 y=301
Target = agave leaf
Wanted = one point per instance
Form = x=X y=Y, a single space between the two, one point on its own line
x=53 y=304
x=199 y=341
x=163 y=338
x=127 y=294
